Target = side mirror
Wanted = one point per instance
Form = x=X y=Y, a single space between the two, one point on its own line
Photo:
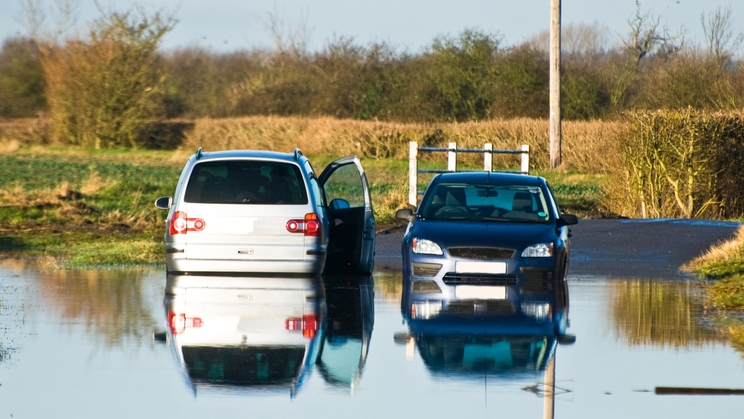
x=401 y=338
x=164 y=202
x=340 y=204
x=567 y=220
x=404 y=214
x=566 y=339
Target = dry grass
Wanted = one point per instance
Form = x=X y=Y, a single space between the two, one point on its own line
x=391 y=201
x=731 y=251
x=724 y=261
x=587 y=146
x=17 y=196
x=26 y=131
x=7 y=147
x=95 y=183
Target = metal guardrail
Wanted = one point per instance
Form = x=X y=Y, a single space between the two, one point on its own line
x=452 y=151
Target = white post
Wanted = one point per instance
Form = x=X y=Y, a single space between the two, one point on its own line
x=452 y=158
x=488 y=158
x=525 y=159
x=413 y=173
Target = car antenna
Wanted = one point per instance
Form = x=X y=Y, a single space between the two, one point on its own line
x=199 y=153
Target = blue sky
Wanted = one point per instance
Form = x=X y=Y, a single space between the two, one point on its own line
x=234 y=24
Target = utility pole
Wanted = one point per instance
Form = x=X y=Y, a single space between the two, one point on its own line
x=555 y=83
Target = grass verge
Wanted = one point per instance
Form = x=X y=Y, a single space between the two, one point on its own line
x=724 y=263
x=84 y=249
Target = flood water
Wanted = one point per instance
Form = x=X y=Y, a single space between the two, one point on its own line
x=81 y=344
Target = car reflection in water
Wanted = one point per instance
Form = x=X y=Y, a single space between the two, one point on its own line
x=245 y=333
x=508 y=337
x=350 y=301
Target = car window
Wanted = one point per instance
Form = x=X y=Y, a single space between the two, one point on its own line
x=487 y=202
x=246 y=182
x=315 y=190
x=345 y=184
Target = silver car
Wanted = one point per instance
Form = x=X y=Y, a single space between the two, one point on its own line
x=267 y=212
x=244 y=333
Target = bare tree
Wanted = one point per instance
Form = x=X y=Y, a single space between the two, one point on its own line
x=586 y=40
x=46 y=23
x=293 y=38
x=647 y=35
x=578 y=40
x=718 y=27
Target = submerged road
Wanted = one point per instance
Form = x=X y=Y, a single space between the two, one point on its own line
x=651 y=248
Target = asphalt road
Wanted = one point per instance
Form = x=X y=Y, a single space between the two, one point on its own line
x=654 y=248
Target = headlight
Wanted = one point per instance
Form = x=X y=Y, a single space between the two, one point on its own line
x=425 y=310
x=426 y=247
x=540 y=311
x=540 y=250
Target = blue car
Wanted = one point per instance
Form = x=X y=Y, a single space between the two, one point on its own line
x=478 y=235
x=507 y=338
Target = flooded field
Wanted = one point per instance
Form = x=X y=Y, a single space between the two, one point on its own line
x=91 y=344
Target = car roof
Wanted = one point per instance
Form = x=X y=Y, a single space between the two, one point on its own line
x=243 y=154
x=496 y=178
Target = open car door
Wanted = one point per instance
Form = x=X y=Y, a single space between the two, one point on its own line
x=351 y=244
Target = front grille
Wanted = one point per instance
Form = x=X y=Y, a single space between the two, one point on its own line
x=452 y=278
x=481 y=252
x=532 y=274
x=475 y=307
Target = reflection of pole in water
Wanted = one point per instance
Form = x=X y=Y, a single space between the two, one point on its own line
x=410 y=347
x=485 y=385
x=549 y=390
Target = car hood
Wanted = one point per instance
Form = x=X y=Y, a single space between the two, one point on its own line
x=490 y=234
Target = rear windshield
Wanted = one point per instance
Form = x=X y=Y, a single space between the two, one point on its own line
x=246 y=182
x=244 y=365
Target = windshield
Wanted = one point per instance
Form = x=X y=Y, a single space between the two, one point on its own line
x=485 y=202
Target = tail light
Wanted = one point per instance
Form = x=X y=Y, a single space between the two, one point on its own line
x=310 y=226
x=181 y=224
x=178 y=323
x=308 y=324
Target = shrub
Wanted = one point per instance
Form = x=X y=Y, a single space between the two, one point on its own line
x=104 y=91
x=685 y=163
x=21 y=79
x=461 y=75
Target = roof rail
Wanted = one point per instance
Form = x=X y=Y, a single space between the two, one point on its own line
x=199 y=153
x=297 y=154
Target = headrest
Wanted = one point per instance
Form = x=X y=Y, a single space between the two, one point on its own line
x=455 y=197
x=522 y=202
